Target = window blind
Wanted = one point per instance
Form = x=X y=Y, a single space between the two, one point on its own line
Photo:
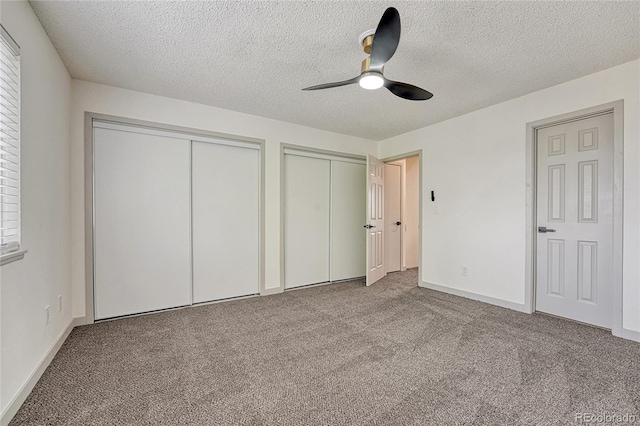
x=9 y=143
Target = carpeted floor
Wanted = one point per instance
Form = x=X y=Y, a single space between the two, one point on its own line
x=341 y=354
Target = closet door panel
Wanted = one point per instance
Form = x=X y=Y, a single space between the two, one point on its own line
x=142 y=214
x=348 y=204
x=226 y=219
x=306 y=220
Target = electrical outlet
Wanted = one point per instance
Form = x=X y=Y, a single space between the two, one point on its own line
x=47 y=312
x=59 y=303
x=464 y=271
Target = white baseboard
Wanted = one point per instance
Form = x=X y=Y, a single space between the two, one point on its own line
x=625 y=333
x=630 y=335
x=38 y=371
x=520 y=307
x=270 y=291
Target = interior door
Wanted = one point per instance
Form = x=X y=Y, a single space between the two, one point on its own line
x=393 y=216
x=375 y=220
x=142 y=235
x=574 y=219
x=225 y=221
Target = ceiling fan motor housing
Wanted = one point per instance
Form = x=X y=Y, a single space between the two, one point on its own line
x=365 y=41
x=366 y=63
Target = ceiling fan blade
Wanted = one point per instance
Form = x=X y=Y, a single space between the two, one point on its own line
x=407 y=91
x=386 y=39
x=336 y=84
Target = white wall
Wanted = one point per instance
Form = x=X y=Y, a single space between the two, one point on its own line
x=411 y=212
x=28 y=285
x=126 y=103
x=476 y=165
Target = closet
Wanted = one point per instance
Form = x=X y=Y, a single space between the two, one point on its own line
x=176 y=219
x=225 y=182
x=324 y=215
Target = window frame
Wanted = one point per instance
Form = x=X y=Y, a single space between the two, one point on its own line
x=13 y=250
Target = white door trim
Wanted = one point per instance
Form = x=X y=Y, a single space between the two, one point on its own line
x=417 y=153
x=530 y=246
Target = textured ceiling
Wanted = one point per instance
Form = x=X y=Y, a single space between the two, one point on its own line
x=254 y=57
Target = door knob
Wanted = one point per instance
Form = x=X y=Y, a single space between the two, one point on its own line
x=398 y=223
x=544 y=229
x=369 y=226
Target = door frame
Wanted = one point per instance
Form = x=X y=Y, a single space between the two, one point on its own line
x=617 y=108
x=311 y=150
x=403 y=187
x=416 y=153
x=89 y=216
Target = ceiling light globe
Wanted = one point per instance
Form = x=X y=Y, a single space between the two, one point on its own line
x=371 y=81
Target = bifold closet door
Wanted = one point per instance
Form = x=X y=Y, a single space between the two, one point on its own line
x=142 y=213
x=226 y=203
x=348 y=212
x=306 y=220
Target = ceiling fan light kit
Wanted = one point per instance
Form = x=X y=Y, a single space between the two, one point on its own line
x=380 y=44
x=371 y=80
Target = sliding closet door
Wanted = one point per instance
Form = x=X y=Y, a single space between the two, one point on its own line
x=306 y=220
x=226 y=203
x=142 y=216
x=348 y=239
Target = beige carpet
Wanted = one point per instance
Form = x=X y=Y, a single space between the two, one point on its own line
x=341 y=354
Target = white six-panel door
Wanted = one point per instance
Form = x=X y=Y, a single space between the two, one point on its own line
x=574 y=201
x=375 y=220
x=225 y=197
x=142 y=215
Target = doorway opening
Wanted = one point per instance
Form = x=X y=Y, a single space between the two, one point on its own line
x=402 y=214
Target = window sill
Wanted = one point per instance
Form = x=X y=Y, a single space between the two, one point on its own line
x=12 y=257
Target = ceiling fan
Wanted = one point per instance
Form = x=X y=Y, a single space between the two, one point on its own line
x=381 y=44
